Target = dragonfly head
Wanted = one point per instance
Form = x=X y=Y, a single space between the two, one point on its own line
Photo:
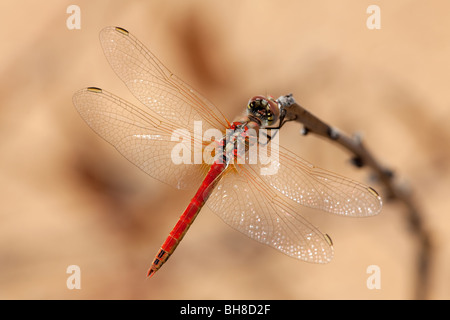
x=265 y=109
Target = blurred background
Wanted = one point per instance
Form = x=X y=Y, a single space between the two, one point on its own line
x=68 y=198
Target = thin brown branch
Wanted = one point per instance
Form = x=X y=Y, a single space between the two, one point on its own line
x=394 y=191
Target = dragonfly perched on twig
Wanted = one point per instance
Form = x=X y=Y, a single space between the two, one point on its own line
x=265 y=207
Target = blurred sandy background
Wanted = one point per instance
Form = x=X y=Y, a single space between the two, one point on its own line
x=68 y=198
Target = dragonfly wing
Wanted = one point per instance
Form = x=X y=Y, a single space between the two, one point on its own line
x=154 y=85
x=138 y=135
x=314 y=187
x=264 y=216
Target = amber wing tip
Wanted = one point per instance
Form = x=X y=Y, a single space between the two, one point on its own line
x=122 y=30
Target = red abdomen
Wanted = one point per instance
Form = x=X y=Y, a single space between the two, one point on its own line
x=188 y=216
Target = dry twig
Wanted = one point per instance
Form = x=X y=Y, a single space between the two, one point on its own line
x=394 y=191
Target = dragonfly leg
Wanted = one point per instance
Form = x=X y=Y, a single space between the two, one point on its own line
x=269 y=138
x=281 y=122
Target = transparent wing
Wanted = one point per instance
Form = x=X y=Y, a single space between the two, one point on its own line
x=154 y=85
x=313 y=187
x=262 y=214
x=139 y=136
x=263 y=202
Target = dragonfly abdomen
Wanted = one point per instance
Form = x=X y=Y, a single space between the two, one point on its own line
x=187 y=218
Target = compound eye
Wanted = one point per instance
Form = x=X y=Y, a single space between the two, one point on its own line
x=265 y=109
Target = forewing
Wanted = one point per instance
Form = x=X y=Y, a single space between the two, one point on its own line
x=314 y=187
x=154 y=85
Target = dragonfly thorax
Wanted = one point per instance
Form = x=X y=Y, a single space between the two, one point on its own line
x=237 y=140
x=266 y=110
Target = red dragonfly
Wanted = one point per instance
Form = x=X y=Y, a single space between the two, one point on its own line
x=264 y=207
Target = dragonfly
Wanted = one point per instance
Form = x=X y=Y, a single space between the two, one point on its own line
x=265 y=207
